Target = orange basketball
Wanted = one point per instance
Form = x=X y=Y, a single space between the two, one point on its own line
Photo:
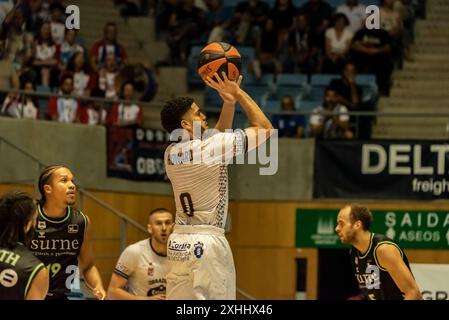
x=219 y=57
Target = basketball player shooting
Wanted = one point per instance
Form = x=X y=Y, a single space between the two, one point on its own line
x=200 y=262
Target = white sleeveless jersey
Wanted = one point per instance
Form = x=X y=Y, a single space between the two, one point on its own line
x=198 y=173
x=144 y=269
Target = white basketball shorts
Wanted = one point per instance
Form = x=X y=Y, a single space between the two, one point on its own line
x=200 y=264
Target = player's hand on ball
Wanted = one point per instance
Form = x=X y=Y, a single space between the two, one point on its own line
x=99 y=293
x=227 y=89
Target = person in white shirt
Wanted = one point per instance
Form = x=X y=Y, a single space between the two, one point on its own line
x=21 y=106
x=338 y=43
x=201 y=265
x=140 y=273
x=331 y=119
x=355 y=12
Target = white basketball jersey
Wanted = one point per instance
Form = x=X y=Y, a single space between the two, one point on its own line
x=198 y=173
x=144 y=269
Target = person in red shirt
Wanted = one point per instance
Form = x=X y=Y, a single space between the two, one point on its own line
x=64 y=109
x=109 y=45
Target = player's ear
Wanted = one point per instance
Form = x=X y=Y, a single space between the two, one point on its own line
x=47 y=188
x=149 y=228
x=186 y=125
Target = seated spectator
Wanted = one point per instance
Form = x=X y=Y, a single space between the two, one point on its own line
x=57 y=20
x=331 y=119
x=289 y=125
x=267 y=48
x=318 y=13
x=338 y=43
x=185 y=25
x=106 y=77
x=371 y=53
x=21 y=106
x=126 y=113
x=69 y=47
x=217 y=20
x=348 y=92
x=93 y=112
x=283 y=15
x=44 y=59
x=303 y=48
x=83 y=79
x=390 y=21
x=355 y=12
x=249 y=16
x=35 y=15
x=64 y=109
x=108 y=46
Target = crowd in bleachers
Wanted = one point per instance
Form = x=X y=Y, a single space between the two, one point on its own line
x=294 y=48
x=48 y=58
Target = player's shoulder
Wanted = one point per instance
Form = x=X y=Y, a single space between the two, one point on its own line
x=137 y=248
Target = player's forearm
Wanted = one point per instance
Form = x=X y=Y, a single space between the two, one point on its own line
x=122 y=294
x=413 y=294
x=93 y=278
x=256 y=117
x=226 y=117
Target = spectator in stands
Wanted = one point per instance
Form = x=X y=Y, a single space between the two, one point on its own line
x=108 y=46
x=331 y=119
x=371 y=52
x=283 y=15
x=106 y=77
x=83 y=79
x=289 y=125
x=303 y=48
x=45 y=61
x=164 y=11
x=21 y=106
x=406 y=11
x=126 y=113
x=57 y=20
x=185 y=25
x=35 y=16
x=318 y=14
x=348 y=92
x=217 y=18
x=94 y=112
x=249 y=16
x=64 y=109
x=267 y=48
x=355 y=12
x=390 y=21
x=69 y=47
x=338 y=42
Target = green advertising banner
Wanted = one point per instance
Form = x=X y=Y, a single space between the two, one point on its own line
x=417 y=229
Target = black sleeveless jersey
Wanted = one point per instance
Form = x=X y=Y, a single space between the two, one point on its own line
x=57 y=243
x=374 y=281
x=18 y=268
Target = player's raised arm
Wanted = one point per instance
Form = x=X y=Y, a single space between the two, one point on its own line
x=227 y=90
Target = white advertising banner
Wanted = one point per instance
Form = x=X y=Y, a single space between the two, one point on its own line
x=432 y=279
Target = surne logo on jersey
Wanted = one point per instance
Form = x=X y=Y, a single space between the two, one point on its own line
x=41 y=225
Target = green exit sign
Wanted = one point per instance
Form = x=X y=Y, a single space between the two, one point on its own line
x=418 y=229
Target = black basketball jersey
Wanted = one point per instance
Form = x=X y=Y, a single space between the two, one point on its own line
x=374 y=281
x=57 y=243
x=18 y=268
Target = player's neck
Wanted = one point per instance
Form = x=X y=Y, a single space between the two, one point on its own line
x=53 y=210
x=158 y=248
x=363 y=241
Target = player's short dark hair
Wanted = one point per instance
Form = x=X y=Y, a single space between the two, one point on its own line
x=16 y=209
x=173 y=111
x=362 y=214
x=160 y=210
x=44 y=178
